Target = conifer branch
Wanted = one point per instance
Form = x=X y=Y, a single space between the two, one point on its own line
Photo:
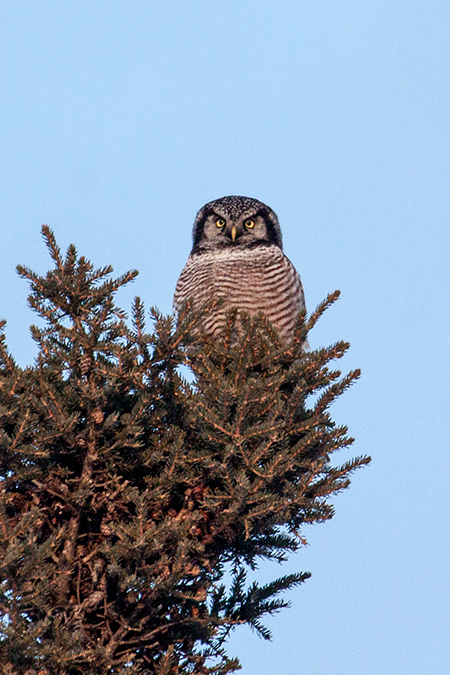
x=321 y=308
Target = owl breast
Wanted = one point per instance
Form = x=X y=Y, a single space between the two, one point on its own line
x=259 y=279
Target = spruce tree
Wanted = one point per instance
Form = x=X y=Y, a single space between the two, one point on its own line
x=134 y=503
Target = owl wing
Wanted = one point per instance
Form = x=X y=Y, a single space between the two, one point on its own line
x=281 y=292
x=196 y=282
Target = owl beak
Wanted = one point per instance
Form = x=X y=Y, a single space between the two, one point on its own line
x=233 y=233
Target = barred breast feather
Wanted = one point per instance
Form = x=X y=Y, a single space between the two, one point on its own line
x=257 y=279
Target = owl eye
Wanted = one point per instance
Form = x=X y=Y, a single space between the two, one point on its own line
x=249 y=223
x=220 y=222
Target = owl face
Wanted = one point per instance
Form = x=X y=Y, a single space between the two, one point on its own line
x=235 y=222
x=238 y=231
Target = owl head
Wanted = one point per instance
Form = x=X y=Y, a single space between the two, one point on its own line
x=235 y=221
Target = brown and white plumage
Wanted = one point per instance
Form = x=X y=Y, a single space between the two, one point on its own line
x=237 y=255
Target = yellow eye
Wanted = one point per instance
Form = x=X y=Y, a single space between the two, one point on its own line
x=220 y=222
x=249 y=223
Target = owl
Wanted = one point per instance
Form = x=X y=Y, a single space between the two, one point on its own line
x=237 y=255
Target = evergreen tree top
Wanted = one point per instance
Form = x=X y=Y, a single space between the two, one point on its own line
x=134 y=503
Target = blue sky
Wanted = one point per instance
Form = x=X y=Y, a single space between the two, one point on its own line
x=119 y=120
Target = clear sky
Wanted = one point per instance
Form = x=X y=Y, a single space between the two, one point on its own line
x=119 y=120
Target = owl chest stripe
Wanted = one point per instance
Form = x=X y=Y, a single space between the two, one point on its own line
x=252 y=283
x=232 y=279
